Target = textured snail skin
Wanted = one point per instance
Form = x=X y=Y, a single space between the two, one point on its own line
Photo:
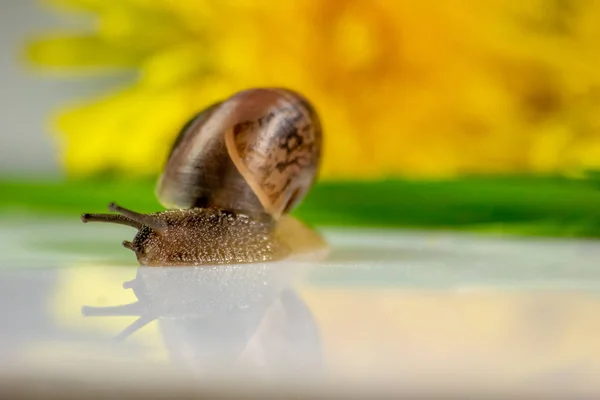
x=207 y=236
x=234 y=172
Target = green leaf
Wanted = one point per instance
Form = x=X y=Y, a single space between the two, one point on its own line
x=516 y=205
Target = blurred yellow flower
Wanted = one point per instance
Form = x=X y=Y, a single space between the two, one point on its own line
x=412 y=87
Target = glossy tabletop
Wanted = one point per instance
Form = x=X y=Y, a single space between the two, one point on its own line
x=411 y=309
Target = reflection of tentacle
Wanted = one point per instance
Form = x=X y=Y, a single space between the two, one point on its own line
x=135 y=325
x=129 y=310
x=129 y=284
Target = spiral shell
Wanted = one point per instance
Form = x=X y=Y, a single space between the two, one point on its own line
x=256 y=152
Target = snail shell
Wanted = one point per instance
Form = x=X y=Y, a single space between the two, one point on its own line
x=256 y=152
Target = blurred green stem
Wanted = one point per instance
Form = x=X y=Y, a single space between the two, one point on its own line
x=549 y=206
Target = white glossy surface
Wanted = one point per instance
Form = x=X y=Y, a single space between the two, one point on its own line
x=415 y=308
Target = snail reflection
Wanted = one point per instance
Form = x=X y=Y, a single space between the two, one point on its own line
x=211 y=317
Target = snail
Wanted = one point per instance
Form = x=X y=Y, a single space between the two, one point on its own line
x=234 y=173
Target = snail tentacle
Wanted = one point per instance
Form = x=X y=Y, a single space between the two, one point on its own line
x=111 y=218
x=128 y=245
x=147 y=220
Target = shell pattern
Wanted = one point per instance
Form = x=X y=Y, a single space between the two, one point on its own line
x=266 y=140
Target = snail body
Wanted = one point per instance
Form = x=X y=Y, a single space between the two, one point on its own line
x=233 y=174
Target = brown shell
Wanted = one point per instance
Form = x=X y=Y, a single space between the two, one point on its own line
x=258 y=151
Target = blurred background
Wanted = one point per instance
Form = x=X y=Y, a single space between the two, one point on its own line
x=482 y=116
x=479 y=116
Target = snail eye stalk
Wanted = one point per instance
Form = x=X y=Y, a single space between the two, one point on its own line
x=110 y=218
x=126 y=217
